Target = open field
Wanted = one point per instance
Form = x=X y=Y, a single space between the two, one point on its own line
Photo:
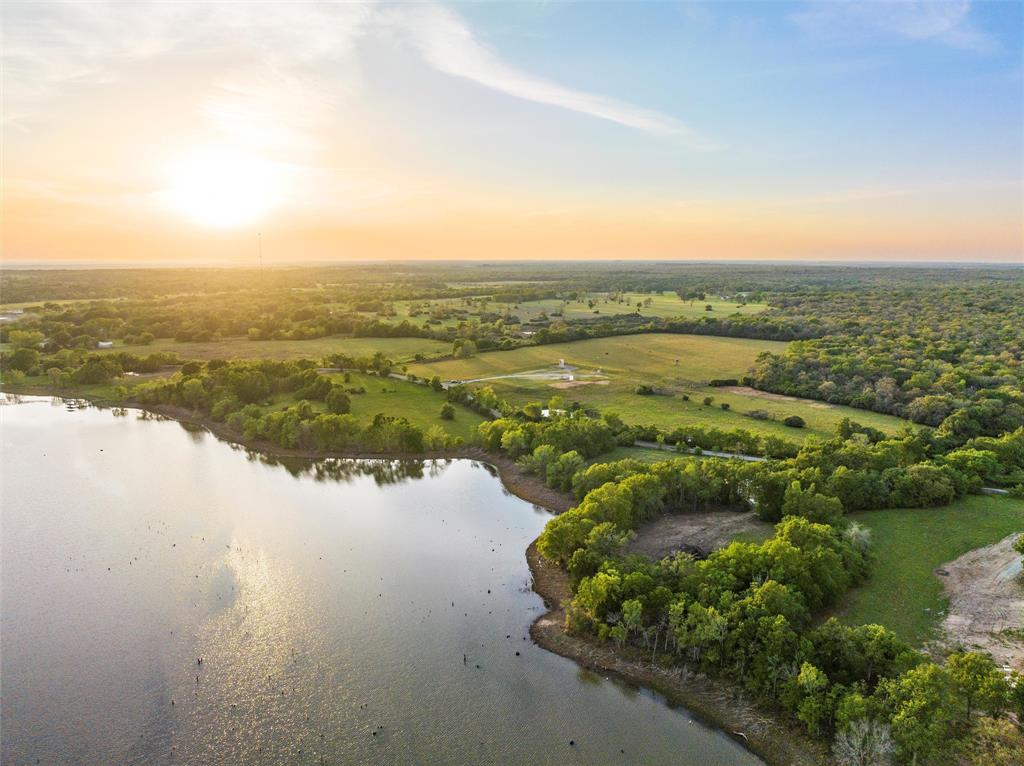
x=398 y=349
x=652 y=305
x=904 y=593
x=420 y=405
x=627 y=361
x=665 y=305
x=652 y=356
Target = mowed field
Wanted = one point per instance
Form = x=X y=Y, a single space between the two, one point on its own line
x=651 y=357
x=627 y=361
x=397 y=349
x=903 y=592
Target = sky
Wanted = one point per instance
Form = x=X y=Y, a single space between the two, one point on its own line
x=207 y=132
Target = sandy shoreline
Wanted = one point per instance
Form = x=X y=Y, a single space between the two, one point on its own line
x=718 y=704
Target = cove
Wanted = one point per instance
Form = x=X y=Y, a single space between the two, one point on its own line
x=332 y=604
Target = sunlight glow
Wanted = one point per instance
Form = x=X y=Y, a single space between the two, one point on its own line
x=222 y=188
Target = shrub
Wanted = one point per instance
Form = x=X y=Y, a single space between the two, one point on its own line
x=337 y=401
x=794 y=421
x=447 y=411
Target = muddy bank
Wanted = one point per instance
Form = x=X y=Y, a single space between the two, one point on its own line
x=720 y=705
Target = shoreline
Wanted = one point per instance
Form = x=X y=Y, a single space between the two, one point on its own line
x=712 y=702
x=717 y=704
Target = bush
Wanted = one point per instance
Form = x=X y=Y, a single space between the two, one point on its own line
x=447 y=412
x=719 y=382
x=643 y=390
x=724 y=405
x=337 y=401
x=794 y=421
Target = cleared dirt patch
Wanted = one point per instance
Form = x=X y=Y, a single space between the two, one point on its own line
x=986 y=602
x=706 y=531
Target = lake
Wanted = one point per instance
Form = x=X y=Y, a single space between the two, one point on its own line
x=344 y=611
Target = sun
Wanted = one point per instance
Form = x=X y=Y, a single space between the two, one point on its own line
x=221 y=187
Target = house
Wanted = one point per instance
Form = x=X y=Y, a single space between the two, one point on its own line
x=105 y=344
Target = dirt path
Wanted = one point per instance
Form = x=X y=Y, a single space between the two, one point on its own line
x=986 y=602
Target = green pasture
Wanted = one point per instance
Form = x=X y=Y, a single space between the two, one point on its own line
x=903 y=592
x=677 y=365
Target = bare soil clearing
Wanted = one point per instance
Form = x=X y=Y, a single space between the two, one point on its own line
x=707 y=531
x=986 y=602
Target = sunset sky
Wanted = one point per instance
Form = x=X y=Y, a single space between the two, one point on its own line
x=179 y=131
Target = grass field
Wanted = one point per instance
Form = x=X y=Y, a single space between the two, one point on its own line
x=398 y=349
x=903 y=593
x=652 y=356
x=664 y=305
x=420 y=405
x=627 y=361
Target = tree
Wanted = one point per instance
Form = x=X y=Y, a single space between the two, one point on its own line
x=978 y=682
x=463 y=348
x=813 y=710
x=811 y=505
x=864 y=743
x=993 y=742
x=794 y=421
x=23 y=359
x=447 y=411
x=922 y=710
x=337 y=401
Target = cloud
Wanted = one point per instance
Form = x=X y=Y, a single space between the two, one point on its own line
x=946 y=22
x=447 y=44
x=53 y=45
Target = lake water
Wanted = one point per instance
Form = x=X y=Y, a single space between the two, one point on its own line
x=331 y=604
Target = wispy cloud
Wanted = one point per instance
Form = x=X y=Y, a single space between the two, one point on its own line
x=50 y=45
x=447 y=44
x=947 y=22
